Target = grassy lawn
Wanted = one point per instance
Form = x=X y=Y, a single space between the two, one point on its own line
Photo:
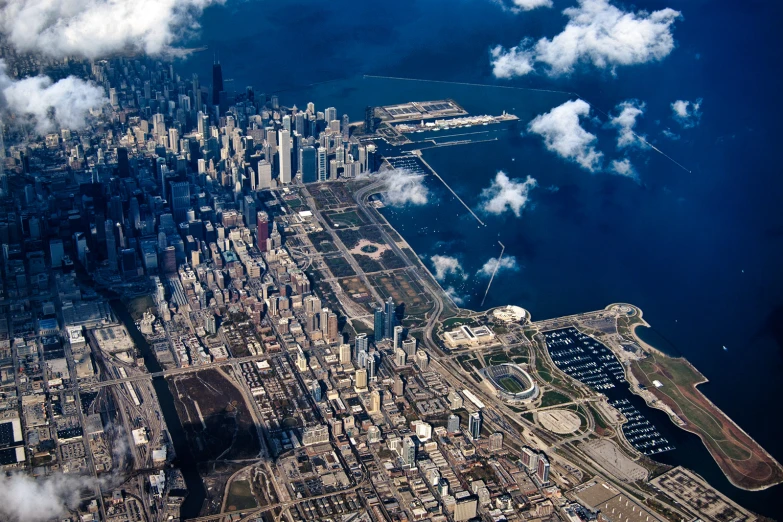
x=679 y=379
x=552 y=398
x=543 y=373
x=498 y=358
x=240 y=496
x=454 y=322
x=346 y=219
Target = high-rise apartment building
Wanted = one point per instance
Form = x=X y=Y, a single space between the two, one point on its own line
x=308 y=164
x=474 y=425
x=284 y=152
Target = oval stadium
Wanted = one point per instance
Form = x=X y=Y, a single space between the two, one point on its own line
x=511 y=383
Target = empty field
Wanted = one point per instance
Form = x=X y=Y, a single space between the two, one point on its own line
x=240 y=496
x=214 y=415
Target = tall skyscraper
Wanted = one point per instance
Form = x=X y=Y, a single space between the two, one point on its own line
x=249 y=212
x=217 y=82
x=315 y=389
x=453 y=424
x=123 y=165
x=180 y=200
x=285 y=156
x=264 y=175
x=371 y=366
x=262 y=230
x=111 y=244
x=399 y=386
x=375 y=401
x=346 y=127
x=345 y=353
x=529 y=459
x=196 y=92
x=398 y=331
x=361 y=343
x=361 y=378
x=408 y=452
x=542 y=471
x=474 y=425
x=307 y=164
x=56 y=252
x=323 y=166
x=390 y=316
x=330 y=114
x=379 y=323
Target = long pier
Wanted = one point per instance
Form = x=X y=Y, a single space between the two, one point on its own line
x=419 y=155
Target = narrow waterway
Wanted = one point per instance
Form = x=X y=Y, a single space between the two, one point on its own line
x=184 y=459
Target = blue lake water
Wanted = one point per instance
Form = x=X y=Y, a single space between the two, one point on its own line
x=700 y=252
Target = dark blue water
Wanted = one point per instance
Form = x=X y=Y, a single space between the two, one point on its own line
x=700 y=252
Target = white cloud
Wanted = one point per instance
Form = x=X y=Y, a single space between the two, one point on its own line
x=25 y=499
x=507 y=263
x=445 y=266
x=624 y=167
x=524 y=5
x=49 y=105
x=506 y=194
x=600 y=34
x=529 y=5
x=99 y=28
x=624 y=122
x=508 y=63
x=667 y=133
x=564 y=135
x=454 y=295
x=687 y=113
x=405 y=188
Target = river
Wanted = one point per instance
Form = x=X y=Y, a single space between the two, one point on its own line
x=184 y=459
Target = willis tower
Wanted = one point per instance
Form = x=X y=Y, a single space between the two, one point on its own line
x=217 y=82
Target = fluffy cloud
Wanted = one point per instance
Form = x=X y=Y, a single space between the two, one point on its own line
x=687 y=113
x=25 y=499
x=49 y=105
x=624 y=167
x=508 y=63
x=625 y=121
x=525 y=5
x=454 y=296
x=667 y=133
x=528 y=5
x=506 y=194
x=564 y=135
x=600 y=34
x=99 y=28
x=405 y=188
x=507 y=263
x=445 y=266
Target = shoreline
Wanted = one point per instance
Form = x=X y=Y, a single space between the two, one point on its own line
x=651 y=349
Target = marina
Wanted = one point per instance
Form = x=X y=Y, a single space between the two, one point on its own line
x=590 y=362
